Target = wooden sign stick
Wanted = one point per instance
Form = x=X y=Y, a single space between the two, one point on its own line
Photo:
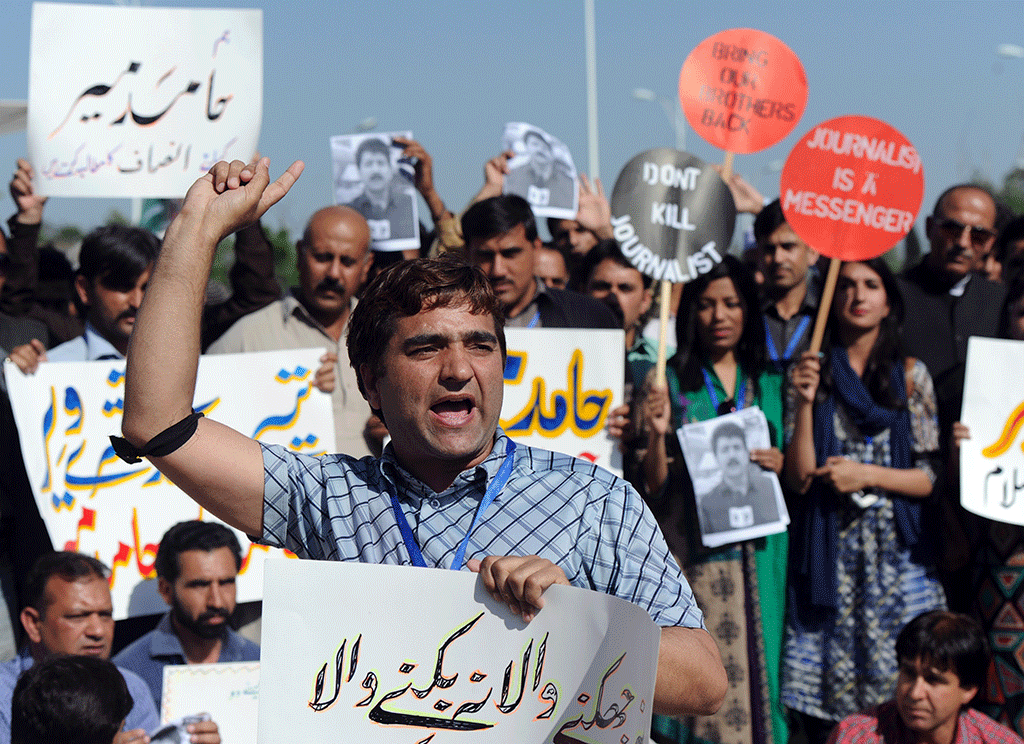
x=664 y=301
x=825 y=305
x=727 y=166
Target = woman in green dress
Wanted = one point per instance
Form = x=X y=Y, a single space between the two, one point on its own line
x=721 y=367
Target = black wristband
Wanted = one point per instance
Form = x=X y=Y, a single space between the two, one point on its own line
x=162 y=444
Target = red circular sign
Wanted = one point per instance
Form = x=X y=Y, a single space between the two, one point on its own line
x=742 y=90
x=852 y=187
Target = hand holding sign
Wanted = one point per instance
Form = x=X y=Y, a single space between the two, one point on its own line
x=673 y=216
x=851 y=188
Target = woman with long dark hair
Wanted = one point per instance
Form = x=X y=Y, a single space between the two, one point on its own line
x=862 y=432
x=721 y=367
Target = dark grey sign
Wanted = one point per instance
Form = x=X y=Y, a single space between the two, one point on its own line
x=672 y=214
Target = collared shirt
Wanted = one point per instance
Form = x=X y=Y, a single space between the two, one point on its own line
x=530 y=315
x=143 y=715
x=958 y=289
x=883 y=725
x=583 y=519
x=287 y=324
x=89 y=347
x=161 y=647
x=783 y=331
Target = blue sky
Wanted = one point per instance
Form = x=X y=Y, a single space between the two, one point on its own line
x=455 y=72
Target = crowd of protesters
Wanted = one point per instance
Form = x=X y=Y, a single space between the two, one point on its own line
x=864 y=437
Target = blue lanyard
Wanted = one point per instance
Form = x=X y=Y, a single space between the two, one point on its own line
x=534 y=321
x=741 y=391
x=493 y=489
x=773 y=352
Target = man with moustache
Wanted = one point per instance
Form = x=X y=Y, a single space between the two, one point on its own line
x=947 y=303
x=333 y=260
x=388 y=212
x=196 y=566
x=113 y=268
x=68 y=611
x=501 y=237
x=745 y=497
x=791 y=293
x=427 y=340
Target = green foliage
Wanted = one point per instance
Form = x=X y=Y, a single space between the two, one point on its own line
x=284 y=257
x=1013 y=190
x=116 y=218
x=67 y=235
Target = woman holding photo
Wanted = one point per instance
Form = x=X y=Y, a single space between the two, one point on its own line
x=721 y=367
x=863 y=434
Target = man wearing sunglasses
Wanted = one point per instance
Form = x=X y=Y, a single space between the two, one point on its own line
x=947 y=302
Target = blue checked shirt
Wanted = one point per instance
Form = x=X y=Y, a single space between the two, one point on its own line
x=592 y=525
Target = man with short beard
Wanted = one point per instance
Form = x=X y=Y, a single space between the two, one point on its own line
x=333 y=259
x=791 y=290
x=114 y=265
x=196 y=566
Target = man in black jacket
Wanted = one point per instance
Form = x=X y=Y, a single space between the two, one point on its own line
x=947 y=303
x=501 y=237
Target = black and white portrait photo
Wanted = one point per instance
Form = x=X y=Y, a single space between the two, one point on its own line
x=736 y=498
x=368 y=176
x=542 y=171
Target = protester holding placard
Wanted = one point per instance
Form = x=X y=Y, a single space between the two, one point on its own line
x=426 y=339
x=863 y=437
x=721 y=367
x=333 y=259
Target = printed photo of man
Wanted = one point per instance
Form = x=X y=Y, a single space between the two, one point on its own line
x=745 y=497
x=542 y=171
x=368 y=173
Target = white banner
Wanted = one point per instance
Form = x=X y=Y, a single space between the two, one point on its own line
x=992 y=460
x=140 y=102
x=560 y=385
x=431 y=657
x=228 y=692
x=93 y=502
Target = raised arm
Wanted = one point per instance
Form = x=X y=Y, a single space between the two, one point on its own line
x=23 y=274
x=218 y=467
x=495 y=171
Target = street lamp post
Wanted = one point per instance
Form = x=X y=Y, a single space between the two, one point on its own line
x=1014 y=51
x=672 y=110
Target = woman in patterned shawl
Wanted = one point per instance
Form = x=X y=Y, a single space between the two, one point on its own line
x=862 y=433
